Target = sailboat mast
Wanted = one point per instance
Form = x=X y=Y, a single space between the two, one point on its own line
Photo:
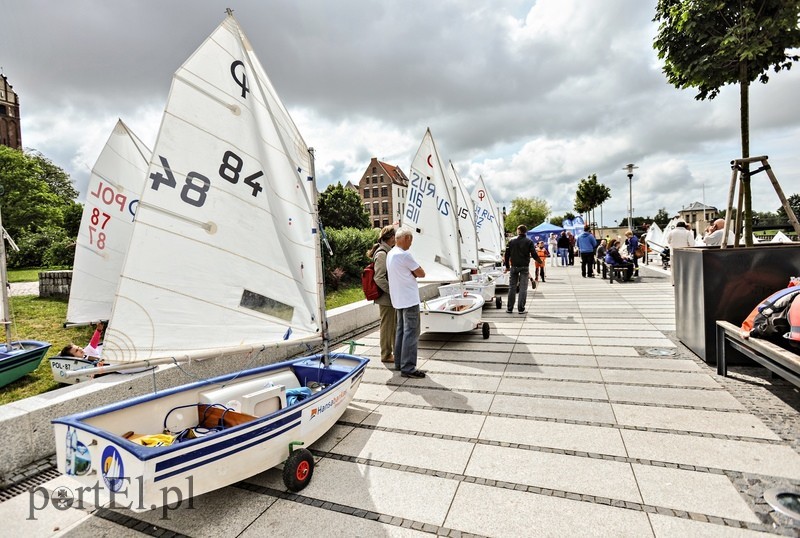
x=323 y=315
x=3 y=280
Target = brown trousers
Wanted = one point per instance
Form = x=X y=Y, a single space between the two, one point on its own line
x=388 y=330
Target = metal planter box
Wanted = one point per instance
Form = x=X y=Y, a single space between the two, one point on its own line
x=713 y=283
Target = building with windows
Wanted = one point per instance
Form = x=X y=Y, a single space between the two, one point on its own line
x=383 y=189
x=10 y=129
x=698 y=215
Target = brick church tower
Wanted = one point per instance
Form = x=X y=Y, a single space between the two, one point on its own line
x=10 y=129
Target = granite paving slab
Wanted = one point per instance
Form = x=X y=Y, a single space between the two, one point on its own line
x=603 y=478
x=553 y=408
x=283 y=516
x=475 y=510
x=403 y=494
x=719 y=422
x=424 y=420
x=704 y=493
x=649 y=364
x=743 y=456
x=614 y=350
x=442 y=399
x=601 y=341
x=454 y=382
x=554 y=349
x=553 y=360
x=556 y=435
x=667 y=527
x=645 y=377
x=595 y=391
x=413 y=450
x=674 y=396
x=554 y=372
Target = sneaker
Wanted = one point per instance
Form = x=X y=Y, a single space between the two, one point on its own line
x=413 y=373
x=522 y=311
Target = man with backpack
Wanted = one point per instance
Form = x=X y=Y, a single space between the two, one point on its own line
x=388 y=315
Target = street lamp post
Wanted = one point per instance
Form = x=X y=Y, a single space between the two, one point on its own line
x=630 y=168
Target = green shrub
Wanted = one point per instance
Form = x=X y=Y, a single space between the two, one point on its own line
x=350 y=246
x=45 y=247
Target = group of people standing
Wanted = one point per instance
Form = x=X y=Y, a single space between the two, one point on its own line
x=396 y=273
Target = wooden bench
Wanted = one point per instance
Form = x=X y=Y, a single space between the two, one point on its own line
x=615 y=270
x=773 y=357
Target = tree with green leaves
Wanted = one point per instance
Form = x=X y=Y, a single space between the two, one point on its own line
x=707 y=44
x=590 y=195
x=37 y=201
x=662 y=217
x=342 y=208
x=794 y=203
x=528 y=211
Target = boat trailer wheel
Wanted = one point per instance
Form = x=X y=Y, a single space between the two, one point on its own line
x=485 y=329
x=498 y=302
x=298 y=469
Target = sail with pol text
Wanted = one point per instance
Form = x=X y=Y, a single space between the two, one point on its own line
x=113 y=193
x=223 y=250
x=490 y=239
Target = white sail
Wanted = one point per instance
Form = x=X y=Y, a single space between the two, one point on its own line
x=223 y=250
x=115 y=185
x=490 y=243
x=431 y=214
x=466 y=222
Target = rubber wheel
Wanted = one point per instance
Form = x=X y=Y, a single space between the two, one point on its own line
x=498 y=302
x=298 y=469
x=485 y=330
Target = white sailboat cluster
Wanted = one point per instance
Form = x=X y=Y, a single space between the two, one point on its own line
x=223 y=258
x=446 y=242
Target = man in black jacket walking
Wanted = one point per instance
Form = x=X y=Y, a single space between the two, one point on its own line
x=519 y=252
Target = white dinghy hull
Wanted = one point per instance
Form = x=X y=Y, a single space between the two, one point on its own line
x=453 y=314
x=93 y=448
x=485 y=289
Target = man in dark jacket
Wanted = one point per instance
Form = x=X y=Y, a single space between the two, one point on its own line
x=518 y=256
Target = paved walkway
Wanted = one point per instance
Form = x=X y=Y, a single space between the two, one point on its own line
x=583 y=417
x=24 y=288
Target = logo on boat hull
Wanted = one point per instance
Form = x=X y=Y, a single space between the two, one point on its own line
x=113 y=469
x=79 y=461
x=333 y=402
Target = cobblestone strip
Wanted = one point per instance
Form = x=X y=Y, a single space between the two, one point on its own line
x=441 y=531
x=581 y=422
x=570 y=398
x=356 y=512
x=136 y=524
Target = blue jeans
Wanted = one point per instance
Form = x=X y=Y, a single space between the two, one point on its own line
x=564 y=254
x=519 y=275
x=407 y=338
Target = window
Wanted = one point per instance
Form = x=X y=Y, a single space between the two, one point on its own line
x=376 y=223
x=386 y=222
x=376 y=208
x=374 y=192
x=366 y=192
x=381 y=178
x=384 y=191
x=385 y=207
x=265 y=305
x=374 y=170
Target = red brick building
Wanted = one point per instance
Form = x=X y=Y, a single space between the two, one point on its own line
x=10 y=130
x=383 y=189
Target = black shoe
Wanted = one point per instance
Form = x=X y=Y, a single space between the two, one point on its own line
x=413 y=373
x=509 y=311
x=522 y=311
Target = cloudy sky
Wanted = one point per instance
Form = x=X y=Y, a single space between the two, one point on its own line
x=533 y=95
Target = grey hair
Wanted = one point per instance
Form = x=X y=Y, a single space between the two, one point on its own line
x=402 y=232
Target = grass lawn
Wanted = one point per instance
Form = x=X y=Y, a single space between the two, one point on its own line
x=348 y=293
x=30 y=274
x=40 y=319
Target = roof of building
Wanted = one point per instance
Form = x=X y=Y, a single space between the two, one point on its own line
x=697 y=206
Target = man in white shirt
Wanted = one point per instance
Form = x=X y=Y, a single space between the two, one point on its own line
x=680 y=237
x=403 y=271
x=715 y=237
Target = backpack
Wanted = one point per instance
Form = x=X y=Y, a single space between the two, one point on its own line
x=368 y=285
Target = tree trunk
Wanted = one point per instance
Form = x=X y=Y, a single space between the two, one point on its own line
x=744 y=94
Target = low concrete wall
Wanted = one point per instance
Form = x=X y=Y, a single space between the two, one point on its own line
x=55 y=283
x=26 y=424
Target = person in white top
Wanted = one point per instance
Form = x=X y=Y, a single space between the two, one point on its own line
x=403 y=271
x=714 y=238
x=552 y=243
x=680 y=237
